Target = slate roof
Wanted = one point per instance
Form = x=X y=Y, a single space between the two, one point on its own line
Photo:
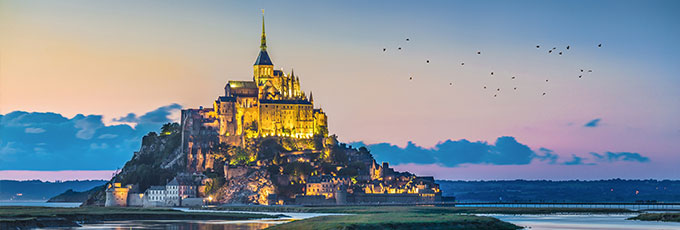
x=263 y=58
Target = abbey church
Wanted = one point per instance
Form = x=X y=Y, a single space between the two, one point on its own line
x=271 y=104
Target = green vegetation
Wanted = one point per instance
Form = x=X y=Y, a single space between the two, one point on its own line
x=419 y=209
x=34 y=217
x=400 y=220
x=668 y=217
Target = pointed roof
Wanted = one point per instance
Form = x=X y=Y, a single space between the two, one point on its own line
x=263 y=57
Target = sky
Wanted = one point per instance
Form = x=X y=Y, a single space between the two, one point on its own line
x=70 y=70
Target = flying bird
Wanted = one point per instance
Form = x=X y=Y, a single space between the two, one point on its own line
x=499 y=89
x=384 y=49
x=410 y=78
x=579 y=76
x=450 y=83
x=599 y=45
x=543 y=94
x=407 y=39
x=462 y=63
x=560 y=53
x=567 y=47
x=513 y=77
x=538 y=46
x=494 y=95
x=554 y=48
x=479 y=52
x=399 y=48
x=515 y=88
x=546 y=80
x=491 y=73
x=581 y=70
x=549 y=51
x=590 y=71
x=428 y=61
x=484 y=87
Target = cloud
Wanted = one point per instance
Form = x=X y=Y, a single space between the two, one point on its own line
x=505 y=151
x=575 y=160
x=594 y=123
x=548 y=155
x=151 y=119
x=50 y=141
x=620 y=156
x=34 y=130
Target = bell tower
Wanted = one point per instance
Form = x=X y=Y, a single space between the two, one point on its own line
x=263 y=69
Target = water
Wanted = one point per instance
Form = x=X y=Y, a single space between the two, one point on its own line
x=202 y=224
x=39 y=204
x=591 y=222
x=643 y=206
x=179 y=225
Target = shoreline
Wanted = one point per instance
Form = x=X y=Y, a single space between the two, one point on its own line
x=18 y=217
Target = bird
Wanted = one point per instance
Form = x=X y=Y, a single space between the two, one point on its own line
x=428 y=61
x=554 y=48
x=581 y=70
x=543 y=94
x=513 y=77
x=599 y=45
x=399 y=48
x=546 y=80
x=410 y=78
x=515 y=88
x=538 y=46
x=495 y=95
x=499 y=89
x=579 y=76
x=567 y=47
x=407 y=39
x=450 y=83
x=484 y=87
x=479 y=52
x=462 y=63
x=491 y=73
x=590 y=71
x=560 y=53
x=384 y=49
x=549 y=51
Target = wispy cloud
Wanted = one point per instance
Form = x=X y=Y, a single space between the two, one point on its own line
x=620 y=156
x=593 y=123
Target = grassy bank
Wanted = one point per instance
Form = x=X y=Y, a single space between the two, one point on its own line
x=35 y=217
x=421 y=209
x=400 y=220
x=669 y=217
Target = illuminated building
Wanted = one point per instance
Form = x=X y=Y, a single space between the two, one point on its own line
x=271 y=104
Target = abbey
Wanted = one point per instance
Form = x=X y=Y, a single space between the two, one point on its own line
x=272 y=104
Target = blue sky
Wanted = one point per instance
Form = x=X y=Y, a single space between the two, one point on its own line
x=111 y=58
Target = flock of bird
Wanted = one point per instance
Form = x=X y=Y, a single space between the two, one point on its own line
x=550 y=51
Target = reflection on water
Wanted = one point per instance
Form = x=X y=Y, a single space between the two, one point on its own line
x=595 y=222
x=180 y=225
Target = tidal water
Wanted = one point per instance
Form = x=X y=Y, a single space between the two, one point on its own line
x=41 y=203
x=592 y=222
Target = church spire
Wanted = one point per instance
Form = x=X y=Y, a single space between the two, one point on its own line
x=263 y=42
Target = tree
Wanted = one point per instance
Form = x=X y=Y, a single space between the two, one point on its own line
x=170 y=128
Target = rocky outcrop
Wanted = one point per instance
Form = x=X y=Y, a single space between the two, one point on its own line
x=158 y=160
x=253 y=187
x=73 y=196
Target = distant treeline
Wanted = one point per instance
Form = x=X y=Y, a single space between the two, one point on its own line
x=614 y=190
x=41 y=190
